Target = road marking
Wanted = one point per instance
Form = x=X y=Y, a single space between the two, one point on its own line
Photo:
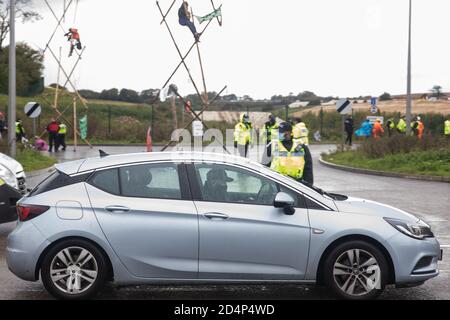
x=445 y=246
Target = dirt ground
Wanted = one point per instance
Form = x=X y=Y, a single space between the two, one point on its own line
x=396 y=105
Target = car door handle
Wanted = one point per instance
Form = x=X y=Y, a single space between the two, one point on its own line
x=216 y=216
x=115 y=209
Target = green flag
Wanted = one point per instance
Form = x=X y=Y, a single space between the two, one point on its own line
x=83 y=127
x=212 y=15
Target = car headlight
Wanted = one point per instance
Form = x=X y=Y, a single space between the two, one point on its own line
x=8 y=176
x=417 y=230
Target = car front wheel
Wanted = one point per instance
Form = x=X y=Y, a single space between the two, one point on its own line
x=74 y=269
x=356 y=270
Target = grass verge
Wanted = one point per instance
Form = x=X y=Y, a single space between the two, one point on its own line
x=431 y=162
x=32 y=160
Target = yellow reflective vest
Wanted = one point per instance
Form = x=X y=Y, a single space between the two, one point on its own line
x=401 y=126
x=267 y=133
x=301 y=133
x=19 y=128
x=243 y=133
x=447 y=128
x=62 y=129
x=289 y=162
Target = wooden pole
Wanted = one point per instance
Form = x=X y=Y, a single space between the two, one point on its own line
x=174 y=113
x=75 y=142
x=205 y=91
x=55 y=104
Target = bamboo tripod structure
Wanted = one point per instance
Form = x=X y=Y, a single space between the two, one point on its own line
x=203 y=96
x=68 y=77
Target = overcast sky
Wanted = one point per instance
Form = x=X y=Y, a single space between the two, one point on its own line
x=331 y=47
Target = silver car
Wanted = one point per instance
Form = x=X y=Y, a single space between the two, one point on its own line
x=178 y=218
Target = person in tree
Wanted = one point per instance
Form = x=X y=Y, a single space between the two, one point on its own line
x=184 y=18
x=74 y=37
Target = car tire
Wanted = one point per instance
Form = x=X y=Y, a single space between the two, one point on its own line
x=74 y=270
x=356 y=270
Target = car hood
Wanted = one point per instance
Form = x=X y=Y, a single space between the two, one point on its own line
x=11 y=164
x=368 y=207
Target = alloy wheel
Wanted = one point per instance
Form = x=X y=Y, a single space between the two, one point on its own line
x=357 y=272
x=73 y=270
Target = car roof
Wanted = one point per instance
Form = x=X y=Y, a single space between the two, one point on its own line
x=90 y=164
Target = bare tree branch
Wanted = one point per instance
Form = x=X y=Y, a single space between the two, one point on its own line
x=23 y=13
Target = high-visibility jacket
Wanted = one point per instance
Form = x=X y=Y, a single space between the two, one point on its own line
x=390 y=124
x=301 y=132
x=420 y=129
x=289 y=162
x=377 y=130
x=447 y=128
x=62 y=129
x=19 y=128
x=243 y=132
x=401 y=126
x=266 y=132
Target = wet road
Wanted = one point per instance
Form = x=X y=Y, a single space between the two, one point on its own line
x=428 y=200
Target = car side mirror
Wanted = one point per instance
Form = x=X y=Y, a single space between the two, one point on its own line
x=284 y=201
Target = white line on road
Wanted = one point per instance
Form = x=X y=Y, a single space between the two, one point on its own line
x=445 y=246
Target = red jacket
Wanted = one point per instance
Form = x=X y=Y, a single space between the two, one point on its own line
x=53 y=127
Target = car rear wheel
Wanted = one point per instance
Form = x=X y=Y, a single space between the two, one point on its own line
x=74 y=269
x=356 y=270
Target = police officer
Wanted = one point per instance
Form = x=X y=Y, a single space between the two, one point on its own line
x=20 y=131
x=447 y=128
x=243 y=135
x=62 y=136
x=266 y=137
x=390 y=126
x=401 y=125
x=301 y=132
x=349 y=128
x=291 y=157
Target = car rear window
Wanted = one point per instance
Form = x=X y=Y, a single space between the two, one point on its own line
x=57 y=180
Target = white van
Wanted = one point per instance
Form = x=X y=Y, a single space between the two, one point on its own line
x=12 y=173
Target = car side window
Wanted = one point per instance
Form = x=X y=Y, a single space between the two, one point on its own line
x=221 y=183
x=159 y=181
x=106 y=180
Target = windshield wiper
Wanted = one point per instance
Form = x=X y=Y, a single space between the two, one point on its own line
x=333 y=196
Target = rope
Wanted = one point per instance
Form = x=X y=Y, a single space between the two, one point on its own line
x=76 y=10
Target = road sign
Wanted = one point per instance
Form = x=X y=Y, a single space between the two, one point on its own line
x=373 y=119
x=344 y=106
x=197 y=129
x=32 y=110
x=373 y=109
x=373 y=101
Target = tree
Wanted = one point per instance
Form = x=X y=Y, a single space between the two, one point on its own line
x=29 y=69
x=437 y=90
x=22 y=13
x=385 y=97
x=111 y=94
x=128 y=95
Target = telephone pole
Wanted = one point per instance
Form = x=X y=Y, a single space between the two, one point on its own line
x=12 y=81
x=408 y=86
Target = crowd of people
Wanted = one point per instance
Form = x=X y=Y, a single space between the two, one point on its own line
x=377 y=130
x=56 y=130
x=287 y=142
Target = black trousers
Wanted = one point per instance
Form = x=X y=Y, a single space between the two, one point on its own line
x=61 y=141
x=53 y=141
x=349 y=139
